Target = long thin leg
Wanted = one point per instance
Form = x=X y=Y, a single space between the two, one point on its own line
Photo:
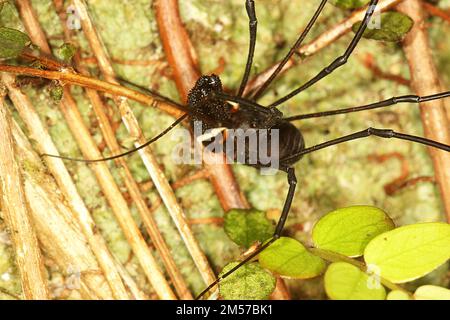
x=382 y=133
x=340 y=61
x=125 y=153
x=292 y=180
x=380 y=104
x=253 y=25
x=291 y=52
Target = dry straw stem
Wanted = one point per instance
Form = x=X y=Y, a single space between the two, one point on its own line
x=57 y=230
x=133 y=188
x=425 y=81
x=182 y=58
x=58 y=169
x=319 y=43
x=15 y=212
x=79 y=212
x=106 y=181
x=115 y=198
x=161 y=183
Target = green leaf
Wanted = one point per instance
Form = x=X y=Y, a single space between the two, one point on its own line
x=429 y=292
x=344 y=281
x=247 y=226
x=12 y=42
x=349 y=4
x=348 y=230
x=409 y=252
x=249 y=282
x=393 y=27
x=66 y=52
x=398 y=295
x=289 y=258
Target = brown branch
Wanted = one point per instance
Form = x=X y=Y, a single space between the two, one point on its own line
x=106 y=181
x=210 y=220
x=424 y=81
x=412 y=182
x=17 y=217
x=319 y=43
x=131 y=123
x=133 y=188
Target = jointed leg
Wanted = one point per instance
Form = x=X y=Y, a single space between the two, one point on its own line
x=290 y=53
x=380 y=104
x=149 y=142
x=340 y=61
x=382 y=133
x=292 y=180
x=253 y=25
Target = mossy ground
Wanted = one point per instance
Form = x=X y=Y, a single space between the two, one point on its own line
x=329 y=179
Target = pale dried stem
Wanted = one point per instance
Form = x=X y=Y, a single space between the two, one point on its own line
x=424 y=81
x=133 y=188
x=115 y=198
x=148 y=158
x=57 y=168
x=57 y=230
x=17 y=217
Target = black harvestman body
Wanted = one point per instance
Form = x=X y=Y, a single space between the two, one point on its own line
x=210 y=104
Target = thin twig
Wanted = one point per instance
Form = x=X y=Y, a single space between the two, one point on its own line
x=133 y=188
x=66 y=76
x=15 y=211
x=106 y=181
x=132 y=125
x=425 y=80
